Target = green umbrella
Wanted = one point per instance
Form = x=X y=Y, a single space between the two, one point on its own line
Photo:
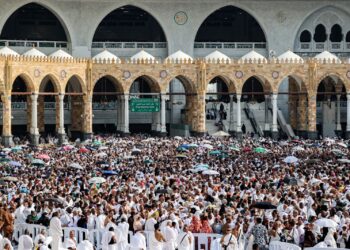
x=5 y=159
x=97 y=143
x=38 y=162
x=16 y=148
x=182 y=149
x=181 y=156
x=148 y=161
x=223 y=156
x=260 y=150
x=215 y=152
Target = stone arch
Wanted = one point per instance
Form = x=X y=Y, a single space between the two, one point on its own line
x=47 y=5
x=54 y=80
x=250 y=12
x=152 y=82
x=27 y=80
x=266 y=84
x=230 y=84
x=116 y=6
x=82 y=86
x=332 y=75
x=185 y=81
x=301 y=84
x=117 y=84
x=327 y=15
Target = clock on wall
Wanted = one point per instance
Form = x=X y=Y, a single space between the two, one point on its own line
x=180 y=18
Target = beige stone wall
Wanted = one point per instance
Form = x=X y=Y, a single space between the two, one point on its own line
x=195 y=76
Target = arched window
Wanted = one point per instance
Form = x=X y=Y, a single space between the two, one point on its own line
x=348 y=37
x=33 y=22
x=230 y=24
x=336 y=35
x=320 y=35
x=305 y=36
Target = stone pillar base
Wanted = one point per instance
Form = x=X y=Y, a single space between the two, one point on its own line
x=267 y=133
x=347 y=135
x=61 y=138
x=302 y=134
x=86 y=136
x=162 y=134
x=34 y=139
x=239 y=135
x=232 y=133
x=338 y=133
x=154 y=132
x=124 y=134
x=312 y=135
x=7 y=140
x=274 y=135
x=199 y=134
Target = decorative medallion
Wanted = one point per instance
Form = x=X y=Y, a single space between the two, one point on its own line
x=275 y=74
x=348 y=74
x=281 y=16
x=126 y=74
x=180 y=18
x=63 y=73
x=37 y=72
x=163 y=74
x=239 y=74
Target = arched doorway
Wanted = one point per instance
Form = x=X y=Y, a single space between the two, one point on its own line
x=232 y=30
x=255 y=110
x=217 y=108
x=292 y=102
x=48 y=107
x=144 y=89
x=127 y=30
x=180 y=93
x=33 y=25
x=21 y=106
x=106 y=106
x=73 y=108
x=331 y=95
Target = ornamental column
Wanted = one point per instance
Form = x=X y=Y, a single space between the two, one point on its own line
x=125 y=127
x=267 y=122
x=34 y=131
x=311 y=115
x=231 y=129
x=274 y=133
x=162 y=116
x=347 y=115
x=87 y=117
x=6 y=121
x=338 y=125
x=61 y=131
x=239 y=120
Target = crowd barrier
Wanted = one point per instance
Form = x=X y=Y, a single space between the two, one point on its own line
x=200 y=241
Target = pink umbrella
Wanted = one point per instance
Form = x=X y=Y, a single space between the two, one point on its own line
x=68 y=147
x=43 y=157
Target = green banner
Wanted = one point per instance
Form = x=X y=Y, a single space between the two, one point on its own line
x=145 y=105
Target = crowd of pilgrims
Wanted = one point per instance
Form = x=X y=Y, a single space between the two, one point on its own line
x=250 y=192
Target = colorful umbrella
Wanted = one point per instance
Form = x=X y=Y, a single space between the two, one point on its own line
x=109 y=172
x=260 y=150
x=43 y=157
x=215 y=152
x=38 y=162
x=16 y=148
x=15 y=164
x=181 y=149
x=83 y=150
x=210 y=172
x=97 y=180
x=9 y=178
x=181 y=156
x=76 y=166
x=290 y=159
x=5 y=159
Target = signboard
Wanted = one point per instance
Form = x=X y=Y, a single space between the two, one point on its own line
x=145 y=105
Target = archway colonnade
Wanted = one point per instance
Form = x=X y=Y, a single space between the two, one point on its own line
x=75 y=79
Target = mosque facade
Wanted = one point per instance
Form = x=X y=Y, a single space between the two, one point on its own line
x=275 y=68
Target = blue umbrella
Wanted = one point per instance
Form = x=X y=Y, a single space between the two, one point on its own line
x=186 y=146
x=290 y=159
x=109 y=172
x=15 y=164
x=2 y=154
x=182 y=149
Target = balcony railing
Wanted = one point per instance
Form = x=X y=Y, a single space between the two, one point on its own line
x=229 y=45
x=30 y=44
x=129 y=45
x=320 y=47
x=67 y=106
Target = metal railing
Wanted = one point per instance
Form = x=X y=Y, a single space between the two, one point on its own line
x=31 y=43
x=320 y=47
x=253 y=121
x=229 y=45
x=67 y=106
x=129 y=45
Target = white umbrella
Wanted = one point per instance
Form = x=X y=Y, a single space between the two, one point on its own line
x=324 y=222
x=103 y=154
x=103 y=148
x=298 y=148
x=291 y=159
x=314 y=181
x=344 y=160
x=220 y=134
x=76 y=166
x=97 y=180
x=342 y=144
x=177 y=137
x=210 y=172
x=208 y=146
